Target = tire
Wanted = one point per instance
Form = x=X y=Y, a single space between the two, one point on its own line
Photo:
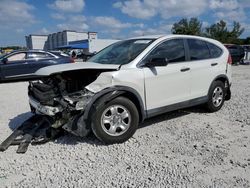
x=216 y=96
x=115 y=121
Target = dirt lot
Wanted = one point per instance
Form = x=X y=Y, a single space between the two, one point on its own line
x=186 y=148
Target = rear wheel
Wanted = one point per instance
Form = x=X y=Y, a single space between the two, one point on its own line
x=216 y=96
x=115 y=121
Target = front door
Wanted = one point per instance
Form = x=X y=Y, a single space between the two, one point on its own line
x=170 y=84
x=16 y=66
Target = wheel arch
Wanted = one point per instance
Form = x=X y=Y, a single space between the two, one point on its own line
x=111 y=93
x=223 y=78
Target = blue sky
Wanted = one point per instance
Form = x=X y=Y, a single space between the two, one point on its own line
x=112 y=18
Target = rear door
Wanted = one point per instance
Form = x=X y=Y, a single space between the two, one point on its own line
x=167 y=85
x=38 y=60
x=203 y=67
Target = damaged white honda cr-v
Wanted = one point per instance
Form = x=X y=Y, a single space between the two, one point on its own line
x=132 y=80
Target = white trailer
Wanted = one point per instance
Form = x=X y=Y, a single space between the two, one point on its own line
x=98 y=44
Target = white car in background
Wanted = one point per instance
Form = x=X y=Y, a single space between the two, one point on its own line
x=130 y=81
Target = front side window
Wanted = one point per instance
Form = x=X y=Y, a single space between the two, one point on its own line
x=198 y=49
x=122 y=52
x=172 y=50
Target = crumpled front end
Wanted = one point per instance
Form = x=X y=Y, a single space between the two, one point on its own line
x=64 y=97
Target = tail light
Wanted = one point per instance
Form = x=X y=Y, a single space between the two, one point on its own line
x=72 y=60
x=229 y=61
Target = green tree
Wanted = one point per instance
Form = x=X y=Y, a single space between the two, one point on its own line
x=220 y=31
x=187 y=27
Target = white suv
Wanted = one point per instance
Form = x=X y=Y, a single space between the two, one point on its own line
x=130 y=81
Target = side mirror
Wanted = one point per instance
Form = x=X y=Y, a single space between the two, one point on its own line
x=157 y=62
x=4 y=60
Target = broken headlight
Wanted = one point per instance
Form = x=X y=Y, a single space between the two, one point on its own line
x=79 y=99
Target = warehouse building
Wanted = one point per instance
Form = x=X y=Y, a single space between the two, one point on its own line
x=37 y=41
x=55 y=40
x=89 y=45
x=83 y=41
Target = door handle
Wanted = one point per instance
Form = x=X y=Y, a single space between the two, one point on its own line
x=185 y=69
x=214 y=64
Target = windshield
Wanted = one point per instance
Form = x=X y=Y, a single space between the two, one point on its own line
x=122 y=52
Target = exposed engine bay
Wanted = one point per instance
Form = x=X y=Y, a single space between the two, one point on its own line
x=58 y=101
x=63 y=97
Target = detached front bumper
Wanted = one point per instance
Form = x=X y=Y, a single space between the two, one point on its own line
x=43 y=109
x=72 y=102
x=67 y=111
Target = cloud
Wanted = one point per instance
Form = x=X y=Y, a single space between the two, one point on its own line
x=43 y=31
x=244 y=3
x=68 y=5
x=146 y=9
x=67 y=12
x=228 y=9
x=135 y=8
x=19 y=30
x=182 y=8
x=112 y=26
x=15 y=14
x=205 y=24
x=74 y=22
x=224 y=4
x=109 y=26
x=57 y=16
x=162 y=28
x=246 y=26
x=234 y=15
x=110 y=22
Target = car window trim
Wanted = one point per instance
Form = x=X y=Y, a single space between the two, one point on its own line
x=189 y=60
x=34 y=58
x=7 y=56
x=189 y=49
x=140 y=64
x=53 y=55
x=16 y=60
x=222 y=51
x=152 y=41
x=210 y=53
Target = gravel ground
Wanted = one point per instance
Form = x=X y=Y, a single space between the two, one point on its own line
x=186 y=148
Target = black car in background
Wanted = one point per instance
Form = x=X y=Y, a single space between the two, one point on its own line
x=20 y=65
x=237 y=52
x=84 y=56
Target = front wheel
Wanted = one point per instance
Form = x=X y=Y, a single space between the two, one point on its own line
x=115 y=121
x=216 y=96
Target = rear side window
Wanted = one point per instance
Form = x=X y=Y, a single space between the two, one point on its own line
x=39 y=55
x=198 y=49
x=215 y=51
x=173 y=50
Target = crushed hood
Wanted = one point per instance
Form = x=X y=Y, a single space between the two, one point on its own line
x=46 y=71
